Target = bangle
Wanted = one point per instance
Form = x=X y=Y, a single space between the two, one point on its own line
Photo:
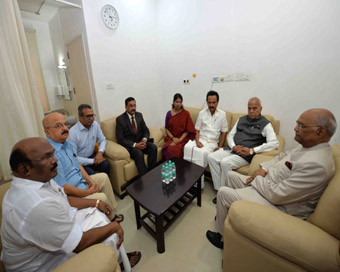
x=97 y=203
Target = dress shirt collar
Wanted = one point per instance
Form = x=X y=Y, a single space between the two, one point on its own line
x=208 y=111
x=128 y=114
x=319 y=146
x=20 y=182
x=57 y=146
x=81 y=126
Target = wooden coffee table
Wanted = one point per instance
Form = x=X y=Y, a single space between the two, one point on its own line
x=164 y=203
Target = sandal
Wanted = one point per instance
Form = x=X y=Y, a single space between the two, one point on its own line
x=118 y=218
x=134 y=258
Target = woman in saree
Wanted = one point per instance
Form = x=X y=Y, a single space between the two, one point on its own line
x=179 y=129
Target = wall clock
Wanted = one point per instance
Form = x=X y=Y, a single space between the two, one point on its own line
x=110 y=16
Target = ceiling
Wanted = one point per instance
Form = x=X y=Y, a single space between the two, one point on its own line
x=44 y=10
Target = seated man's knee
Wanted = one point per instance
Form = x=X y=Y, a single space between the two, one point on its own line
x=137 y=154
x=227 y=164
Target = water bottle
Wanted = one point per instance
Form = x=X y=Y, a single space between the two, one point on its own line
x=173 y=170
x=163 y=173
x=167 y=175
x=171 y=178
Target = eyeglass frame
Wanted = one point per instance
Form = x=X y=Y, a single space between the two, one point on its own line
x=59 y=125
x=89 y=116
x=298 y=124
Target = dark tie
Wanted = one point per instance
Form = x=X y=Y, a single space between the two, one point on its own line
x=133 y=125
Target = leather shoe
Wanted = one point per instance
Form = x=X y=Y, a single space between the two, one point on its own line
x=215 y=239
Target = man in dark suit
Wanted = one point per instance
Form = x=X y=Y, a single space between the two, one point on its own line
x=133 y=134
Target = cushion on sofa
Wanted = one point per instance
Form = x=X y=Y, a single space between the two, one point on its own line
x=326 y=214
x=287 y=236
x=109 y=129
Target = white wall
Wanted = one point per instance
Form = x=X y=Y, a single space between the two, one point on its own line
x=128 y=57
x=48 y=64
x=290 y=48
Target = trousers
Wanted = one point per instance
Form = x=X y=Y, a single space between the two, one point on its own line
x=221 y=162
x=105 y=191
x=236 y=189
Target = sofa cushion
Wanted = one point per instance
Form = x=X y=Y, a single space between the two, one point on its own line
x=109 y=129
x=326 y=214
x=284 y=235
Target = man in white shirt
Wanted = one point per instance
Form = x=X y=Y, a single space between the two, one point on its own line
x=251 y=134
x=41 y=226
x=293 y=181
x=83 y=136
x=211 y=130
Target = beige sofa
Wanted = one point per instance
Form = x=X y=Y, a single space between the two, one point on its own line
x=122 y=167
x=259 y=238
x=232 y=119
x=100 y=257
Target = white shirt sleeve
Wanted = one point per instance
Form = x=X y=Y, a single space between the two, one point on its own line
x=224 y=123
x=231 y=135
x=54 y=230
x=272 y=142
x=198 y=124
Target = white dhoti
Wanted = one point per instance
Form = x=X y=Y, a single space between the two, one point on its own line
x=92 y=218
x=199 y=155
x=220 y=163
x=238 y=190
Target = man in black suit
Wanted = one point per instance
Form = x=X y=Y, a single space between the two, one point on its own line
x=133 y=134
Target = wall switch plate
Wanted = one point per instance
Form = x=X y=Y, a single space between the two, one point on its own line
x=215 y=79
x=109 y=85
x=186 y=81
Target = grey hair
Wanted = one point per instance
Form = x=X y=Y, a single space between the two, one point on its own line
x=81 y=107
x=255 y=98
x=328 y=122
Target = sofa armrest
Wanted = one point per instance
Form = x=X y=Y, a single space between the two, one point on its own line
x=284 y=235
x=100 y=257
x=116 y=151
x=157 y=135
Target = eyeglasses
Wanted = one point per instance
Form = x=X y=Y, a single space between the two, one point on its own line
x=89 y=116
x=47 y=157
x=305 y=126
x=59 y=125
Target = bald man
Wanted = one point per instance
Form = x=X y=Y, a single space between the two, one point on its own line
x=251 y=134
x=41 y=226
x=71 y=175
x=293 y=181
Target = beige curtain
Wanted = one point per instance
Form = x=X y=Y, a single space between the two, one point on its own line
x=20 y=110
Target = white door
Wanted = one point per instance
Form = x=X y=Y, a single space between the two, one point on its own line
x=78 y=72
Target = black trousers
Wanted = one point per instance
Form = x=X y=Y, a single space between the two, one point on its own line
x=138 y=156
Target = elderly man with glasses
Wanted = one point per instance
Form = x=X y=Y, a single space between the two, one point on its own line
x=71 y=175
x=293 y=181
x=83 y=136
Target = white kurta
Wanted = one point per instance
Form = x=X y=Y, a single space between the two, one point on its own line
x=40 y=229
x=210 y=128
x=223 y=161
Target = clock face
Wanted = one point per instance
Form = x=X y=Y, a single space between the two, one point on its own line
x=110 y=16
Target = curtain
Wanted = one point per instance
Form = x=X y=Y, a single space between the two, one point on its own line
x=20 y=109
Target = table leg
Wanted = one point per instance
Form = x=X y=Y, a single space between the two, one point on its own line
x=137 y=214
x=160 y=234
x=199 y=191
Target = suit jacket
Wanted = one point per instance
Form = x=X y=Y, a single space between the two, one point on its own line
x=124 y=132
x=296 y=179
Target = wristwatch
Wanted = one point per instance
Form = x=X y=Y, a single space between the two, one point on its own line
x=251 y=151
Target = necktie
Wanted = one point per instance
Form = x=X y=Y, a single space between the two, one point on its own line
x=133 y=125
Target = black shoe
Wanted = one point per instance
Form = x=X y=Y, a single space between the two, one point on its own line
x=215 y=239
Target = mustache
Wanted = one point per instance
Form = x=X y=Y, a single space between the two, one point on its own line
x=211 y=107
x=55 y=165
x=65 y=131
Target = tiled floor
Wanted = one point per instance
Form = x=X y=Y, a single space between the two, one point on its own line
x=186 y=246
